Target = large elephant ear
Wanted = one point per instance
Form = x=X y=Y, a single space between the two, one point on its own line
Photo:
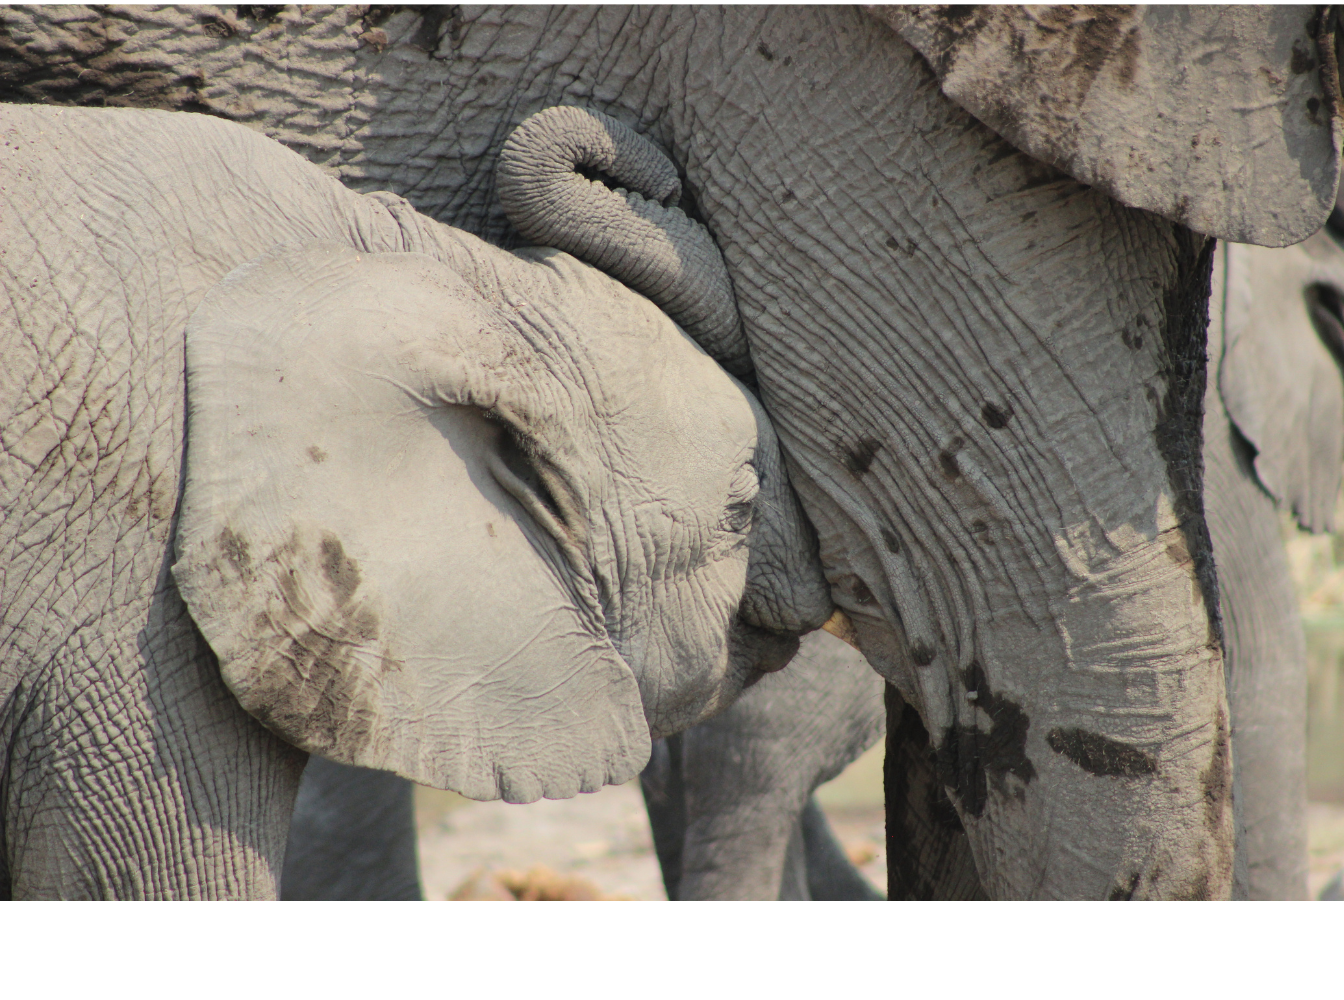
x=358 y=542
x=1279 y=374
x=1225 y=119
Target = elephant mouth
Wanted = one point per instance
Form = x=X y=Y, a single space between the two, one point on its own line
x=758 y=651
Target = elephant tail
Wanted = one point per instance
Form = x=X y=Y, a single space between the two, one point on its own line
x=637 y=235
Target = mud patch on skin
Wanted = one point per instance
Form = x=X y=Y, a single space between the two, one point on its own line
x=314 y=653
x=970 y=759
x=928 y=853
x=1179 y=432
x=947 y=460
x=996 y=417
x=1070 y=44
x=1216 y=780
x=87 y=68
x=1125 y=891
x=234 y=548
x=1101 y=755
x=858 y=457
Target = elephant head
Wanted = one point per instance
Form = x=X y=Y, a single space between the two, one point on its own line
x=488 y=540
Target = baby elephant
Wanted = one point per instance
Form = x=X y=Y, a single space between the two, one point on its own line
x=287 y=468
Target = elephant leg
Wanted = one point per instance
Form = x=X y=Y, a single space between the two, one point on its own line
x=928 y=852
x=830 y=874
x=131 y=772
x=1266 y=666
x=352 y=836
x=793 y=882
x=665 y=799
x=1265 y=658
x=748 y=773
x=728 y=800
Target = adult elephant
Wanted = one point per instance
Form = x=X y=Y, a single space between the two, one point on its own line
x=970 y=249
x=728 y=799
x=487 y=520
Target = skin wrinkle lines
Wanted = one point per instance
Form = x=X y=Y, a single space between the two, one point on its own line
x=876 y=430
x=585 y=56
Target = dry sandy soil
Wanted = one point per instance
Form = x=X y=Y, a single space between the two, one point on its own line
x=604 y=838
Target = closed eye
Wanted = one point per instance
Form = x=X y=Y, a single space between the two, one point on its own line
x=740 y=510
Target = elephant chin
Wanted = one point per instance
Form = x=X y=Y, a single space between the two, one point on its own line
x=756 y=651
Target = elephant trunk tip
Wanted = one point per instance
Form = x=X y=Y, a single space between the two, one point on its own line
x=555 y=177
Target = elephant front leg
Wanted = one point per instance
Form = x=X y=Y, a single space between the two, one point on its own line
x=352 y=836
x=134 y=774
x=1024 y=555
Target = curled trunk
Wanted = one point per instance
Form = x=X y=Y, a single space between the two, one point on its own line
x=634 y=235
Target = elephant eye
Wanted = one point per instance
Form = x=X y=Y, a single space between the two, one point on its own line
x=740 y=510
x=538 y=488
x=738 y=517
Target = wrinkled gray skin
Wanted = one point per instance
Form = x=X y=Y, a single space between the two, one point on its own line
x=506 y=606
x=730 y=800
x=1274 y=440
x=988 y=378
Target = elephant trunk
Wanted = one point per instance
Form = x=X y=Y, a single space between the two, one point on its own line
x=633 y=235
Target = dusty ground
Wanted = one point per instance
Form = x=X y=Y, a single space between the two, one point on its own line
x=604 y=837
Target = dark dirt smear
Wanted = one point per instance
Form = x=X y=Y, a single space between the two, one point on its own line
x=311 y=689
x=970 y=759
x=858 y=458
x=1101 y=755
x=928 y=853
x=426 y=36
x=235 y=549
x=890 y=540
x=1216 y=779
x=1069 y=44
x=1180 y=423
x=922 y=653
x=996 y=417
x=1125 y=891
x=947 y=462
x=317 y=455
x=260 y=12
x=862 y=593
x=1303 y=60
x=341 y=571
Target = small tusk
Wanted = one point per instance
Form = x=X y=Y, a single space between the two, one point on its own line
x=842 y=628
